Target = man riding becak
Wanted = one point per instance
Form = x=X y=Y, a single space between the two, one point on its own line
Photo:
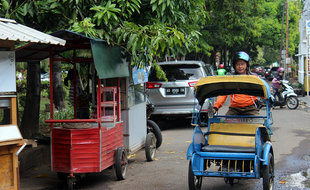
x=240 y=104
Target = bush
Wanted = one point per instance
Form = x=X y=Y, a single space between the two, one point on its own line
x=63 y=114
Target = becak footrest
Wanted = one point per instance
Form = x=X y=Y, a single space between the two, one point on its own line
x=226 y=148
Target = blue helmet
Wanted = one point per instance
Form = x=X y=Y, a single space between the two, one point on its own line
x=241 y=55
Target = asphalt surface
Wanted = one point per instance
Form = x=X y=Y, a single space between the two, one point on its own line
x=169 y=171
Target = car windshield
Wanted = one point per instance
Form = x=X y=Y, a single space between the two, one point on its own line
x=179 y=72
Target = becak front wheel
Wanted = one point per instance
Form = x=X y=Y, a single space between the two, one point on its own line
x=194 y=182
x=268 y=174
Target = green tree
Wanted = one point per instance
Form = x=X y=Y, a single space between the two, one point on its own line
x=148 y=30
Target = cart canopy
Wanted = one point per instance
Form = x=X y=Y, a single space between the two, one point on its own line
x=110 y=61
x=213 y=86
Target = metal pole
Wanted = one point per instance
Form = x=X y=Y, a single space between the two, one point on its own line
x=281 y=43
x=287 y=14
x=307 y=65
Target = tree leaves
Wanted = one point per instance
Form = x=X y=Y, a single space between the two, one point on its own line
x=164 y=26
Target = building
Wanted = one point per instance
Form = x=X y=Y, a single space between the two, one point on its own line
x=303 y=45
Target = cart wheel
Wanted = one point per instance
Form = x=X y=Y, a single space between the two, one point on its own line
x=70 y=183
x=292 y=102
x=268 y=174
x=194 y=182
x=150 y=147
x=153 y=127
x=62 y=176
x=121 y=163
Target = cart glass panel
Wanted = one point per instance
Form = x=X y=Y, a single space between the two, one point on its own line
x=5 y=113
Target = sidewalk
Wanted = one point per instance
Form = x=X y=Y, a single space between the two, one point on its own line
x=304 y=99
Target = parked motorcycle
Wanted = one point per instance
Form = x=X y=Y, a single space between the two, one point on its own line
x=288 y=95
x=151 y=125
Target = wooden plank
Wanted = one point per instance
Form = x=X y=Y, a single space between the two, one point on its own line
x=8 y=43
x=31 y=142
x=13 y=111
x=8 y=167
x=13 y=142
x=6 y=171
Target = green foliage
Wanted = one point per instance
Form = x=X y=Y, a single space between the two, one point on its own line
x=150 y=29
x=67 y=113
x=299 y=85
x=260 y=58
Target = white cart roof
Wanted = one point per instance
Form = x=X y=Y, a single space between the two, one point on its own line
x=11 y=30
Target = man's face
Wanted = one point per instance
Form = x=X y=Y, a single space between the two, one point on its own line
x=241 y=67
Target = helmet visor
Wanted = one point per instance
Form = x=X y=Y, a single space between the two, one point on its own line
x=244 y=56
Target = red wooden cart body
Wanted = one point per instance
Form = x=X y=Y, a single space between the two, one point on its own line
x=92 y=150
x=87 y=150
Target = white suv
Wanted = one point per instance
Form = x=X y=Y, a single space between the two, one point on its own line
x=175 y=98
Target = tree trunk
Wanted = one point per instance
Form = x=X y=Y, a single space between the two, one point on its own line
x=58 y=93
x=225 y=55
x=30 y=119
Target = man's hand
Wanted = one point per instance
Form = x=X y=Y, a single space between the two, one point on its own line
x=214 y=111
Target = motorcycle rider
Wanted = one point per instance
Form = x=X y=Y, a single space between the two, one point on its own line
x=241 y=104
x=221 y=70
x=276 y=84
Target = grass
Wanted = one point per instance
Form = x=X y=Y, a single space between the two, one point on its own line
x=42 y=104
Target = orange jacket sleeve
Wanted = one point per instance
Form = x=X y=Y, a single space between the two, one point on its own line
x=220 y=101
x=237 y=100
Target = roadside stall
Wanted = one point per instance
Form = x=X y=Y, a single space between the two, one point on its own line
x=133 y=100
x=11 y=140
x=118 y=123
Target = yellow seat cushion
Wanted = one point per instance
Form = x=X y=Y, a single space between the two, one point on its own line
x=232 y=134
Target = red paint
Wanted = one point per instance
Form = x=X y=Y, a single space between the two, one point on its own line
x=85 y=152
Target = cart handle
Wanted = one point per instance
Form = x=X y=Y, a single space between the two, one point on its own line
x=20 y=149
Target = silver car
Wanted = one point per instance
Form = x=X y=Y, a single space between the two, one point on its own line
x=175 y=98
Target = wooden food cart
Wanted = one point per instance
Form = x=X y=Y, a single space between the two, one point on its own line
x=119 y=128
x=93 y=145
x=11 y=140
x=90 y=145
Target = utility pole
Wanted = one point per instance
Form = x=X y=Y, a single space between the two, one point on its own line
x=287 y=28
x=287 y=56
x=281 y=43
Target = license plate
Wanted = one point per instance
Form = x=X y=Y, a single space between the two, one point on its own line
x=175 y=91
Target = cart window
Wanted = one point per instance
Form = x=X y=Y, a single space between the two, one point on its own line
x=136 y=94
x=5 y=113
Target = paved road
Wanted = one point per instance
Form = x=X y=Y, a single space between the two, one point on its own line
x=291 y=139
